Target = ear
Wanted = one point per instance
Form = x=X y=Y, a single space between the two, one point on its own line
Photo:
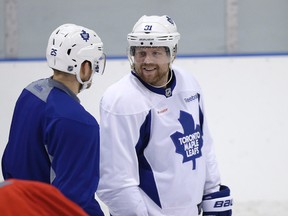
x=85 y=71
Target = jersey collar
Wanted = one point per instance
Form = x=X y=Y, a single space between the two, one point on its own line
x=59 y=85
x=166 y=91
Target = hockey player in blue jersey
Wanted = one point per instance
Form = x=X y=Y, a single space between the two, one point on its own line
x=157 y=155
x=53 y=139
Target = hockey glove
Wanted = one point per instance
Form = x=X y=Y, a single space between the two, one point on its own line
x=218 y=203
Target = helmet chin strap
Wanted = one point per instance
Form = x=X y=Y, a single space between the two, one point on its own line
x=161 y=86
x=82 y=87
x=84 y=84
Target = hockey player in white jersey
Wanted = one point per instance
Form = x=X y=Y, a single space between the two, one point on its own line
x=157 y=155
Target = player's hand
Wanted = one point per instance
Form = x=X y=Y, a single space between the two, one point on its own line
x=218 y=203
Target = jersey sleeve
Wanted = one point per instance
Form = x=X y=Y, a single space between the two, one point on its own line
x=119 y=175
x=212 y=181
x=74 y=150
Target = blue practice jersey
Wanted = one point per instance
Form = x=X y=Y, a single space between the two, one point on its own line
x=157 y=156
x=53 y=139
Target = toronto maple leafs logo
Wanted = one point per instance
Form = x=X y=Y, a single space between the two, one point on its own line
x=190 y=143
x=169 y=19
x=85 y=35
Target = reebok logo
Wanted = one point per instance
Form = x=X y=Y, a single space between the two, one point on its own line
x=38 y=87
x=191 y=98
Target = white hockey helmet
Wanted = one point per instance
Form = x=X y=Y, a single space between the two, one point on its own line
x=70 y=45
x=154 y=31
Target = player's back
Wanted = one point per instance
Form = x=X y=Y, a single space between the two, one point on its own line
x=25 y=153
x=39 y=106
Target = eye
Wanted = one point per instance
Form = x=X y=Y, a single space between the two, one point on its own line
x=141 y=54
x=157 y=53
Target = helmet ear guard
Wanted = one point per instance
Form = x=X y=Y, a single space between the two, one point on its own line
x=70 y=45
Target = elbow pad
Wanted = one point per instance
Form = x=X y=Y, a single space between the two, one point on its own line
x=218 y=203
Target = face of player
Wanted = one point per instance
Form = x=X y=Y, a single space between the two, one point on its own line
x=152 y=65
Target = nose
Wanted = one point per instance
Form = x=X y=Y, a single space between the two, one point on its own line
x=148 y=59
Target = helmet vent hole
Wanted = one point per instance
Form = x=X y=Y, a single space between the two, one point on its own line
x=141 y=43
x=68 y=51
x=73 y=45
x=151 y=43
x=53 y=41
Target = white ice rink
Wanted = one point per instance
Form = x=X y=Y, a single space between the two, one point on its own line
x=247 y=109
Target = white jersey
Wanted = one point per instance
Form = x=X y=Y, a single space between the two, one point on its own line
x=157 y=156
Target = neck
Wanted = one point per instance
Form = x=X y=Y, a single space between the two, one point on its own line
x=68 y=80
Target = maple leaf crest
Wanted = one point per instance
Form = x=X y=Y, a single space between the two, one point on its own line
x=85 y=35
x=190 y=143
